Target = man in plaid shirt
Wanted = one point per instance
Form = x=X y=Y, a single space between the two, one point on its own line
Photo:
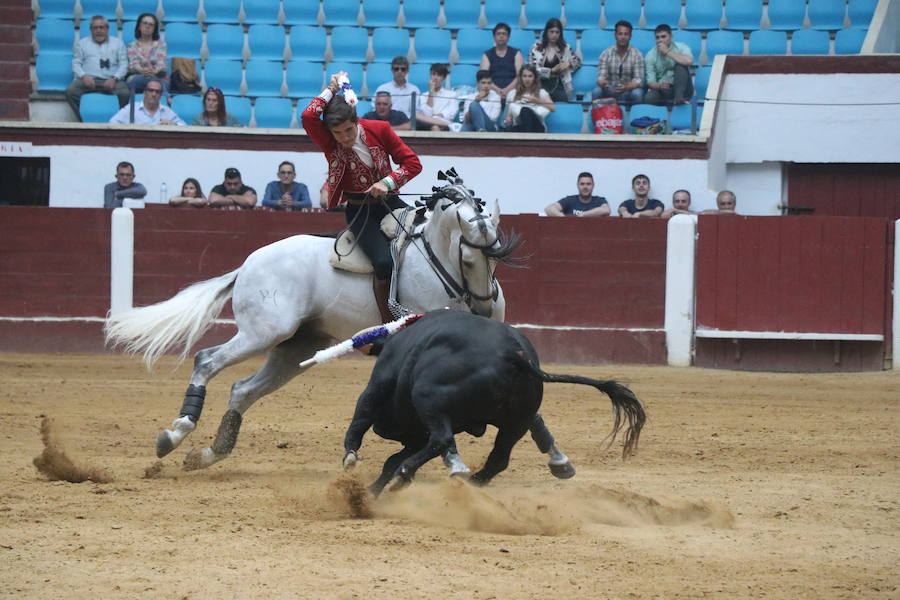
x=620 y=72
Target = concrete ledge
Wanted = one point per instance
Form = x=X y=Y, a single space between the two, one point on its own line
x=786 y=335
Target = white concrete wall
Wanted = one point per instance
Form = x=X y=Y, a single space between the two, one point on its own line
x=758 y=187
x=523 y=185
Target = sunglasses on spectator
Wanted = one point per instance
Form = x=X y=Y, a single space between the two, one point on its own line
x=285 y=172
x=395 y=69
x=150 y=90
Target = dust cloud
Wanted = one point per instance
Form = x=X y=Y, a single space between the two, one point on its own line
x=56 y=465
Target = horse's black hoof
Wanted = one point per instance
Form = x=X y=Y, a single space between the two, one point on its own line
x=563 y=471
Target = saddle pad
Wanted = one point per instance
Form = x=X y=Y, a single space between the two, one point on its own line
x=347 y=255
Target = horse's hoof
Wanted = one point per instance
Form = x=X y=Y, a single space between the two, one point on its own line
x=164 y=444
x=350 y=460
x=193 y=461
x=562 y=471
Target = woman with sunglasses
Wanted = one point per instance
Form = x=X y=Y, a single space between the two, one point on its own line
x=214 y=114
x=285 y=193
x=146 y=55
x=359 y=154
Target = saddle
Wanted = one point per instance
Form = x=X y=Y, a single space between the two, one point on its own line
x=397 y=226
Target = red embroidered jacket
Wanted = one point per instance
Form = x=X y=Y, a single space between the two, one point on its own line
x=344 y=172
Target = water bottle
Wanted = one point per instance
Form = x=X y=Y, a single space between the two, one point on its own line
x=349 y=94
x=163 y=193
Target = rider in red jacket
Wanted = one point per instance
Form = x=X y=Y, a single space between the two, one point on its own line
x=358 y=152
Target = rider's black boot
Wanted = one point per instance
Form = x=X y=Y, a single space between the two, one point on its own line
x=382 y=289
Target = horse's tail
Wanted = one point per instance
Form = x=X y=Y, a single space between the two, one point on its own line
x=626 y=406
x=181 y=320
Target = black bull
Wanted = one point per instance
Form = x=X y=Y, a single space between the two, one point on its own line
x=453 y=371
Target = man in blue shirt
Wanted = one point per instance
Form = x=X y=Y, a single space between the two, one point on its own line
x=668 y=69
x=123 y=187
x=642 y=205
x=149 y=111
x=286 y=194
x=99 y=64
x=583 y=204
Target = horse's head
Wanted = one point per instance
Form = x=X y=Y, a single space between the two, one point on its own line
x=475 y=240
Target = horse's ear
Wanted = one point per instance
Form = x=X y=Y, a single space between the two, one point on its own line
x=442 y=176
x=495 y=213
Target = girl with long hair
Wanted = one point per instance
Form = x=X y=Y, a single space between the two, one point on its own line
x=214 y=114
x=528 y=104
x=191 y=195
x=555 y=61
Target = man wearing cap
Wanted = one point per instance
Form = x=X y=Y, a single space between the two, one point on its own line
x=232 y=193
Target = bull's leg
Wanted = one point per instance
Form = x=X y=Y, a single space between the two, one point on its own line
x=390 y=467
x=207 y=363
x=440 y=436
x=559 y=463
x=363 y=418
x=498 y=459
x=281 y=366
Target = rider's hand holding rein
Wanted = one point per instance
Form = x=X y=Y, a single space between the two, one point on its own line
x=377 y=189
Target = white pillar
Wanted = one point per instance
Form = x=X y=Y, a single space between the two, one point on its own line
x=121 y=259
x=895 y=350
x=679 y=325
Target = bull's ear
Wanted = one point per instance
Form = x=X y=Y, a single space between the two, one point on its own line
x=495 y=213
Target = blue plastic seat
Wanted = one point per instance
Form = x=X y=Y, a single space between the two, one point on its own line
x=181 y=11
x=341 y=12
x=743 y=15
x=267 y=41
x=849 y=41
x=301 y=12
x=622 y=10
x=768 y=41
x=584 y=80
x=786 y=15
x=225 y=41
x=239 y=108
x=107 y=8
x=657 y=12
x=692 y=39
x=538 y=12
x=305 y=78
x=420 y=75
x=701 y=83
x=703 y=15
x=421 y=13
x=183 y=39
x=582 y=14
x=349 y=43
x=376 y=74
x=58 y=9
x=594 y=42
x=860 y=12
x=98 y=108
x=567 y=118
x=132 y=9
x=221 y=11
x=354 y=73
x=260 y=12
x=381 y=13
x=502 y=11
x=274 y=113
x=680 y=118
x=224 y=74
x=264 y=77
x=308 y=43
x=809 y=41
x=523 y=39
x=646 y=110
x=827 y=15
x=188 y=106
x=54 y=71
x=388 y=42
x=644 y=40
x=432 y=45
x=723 y=42
x=462 y=14
x=363 y=107
x=55 y=35
x=463 y=75
x=471 y=44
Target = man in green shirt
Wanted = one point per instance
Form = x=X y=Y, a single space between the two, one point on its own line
x=668 y=70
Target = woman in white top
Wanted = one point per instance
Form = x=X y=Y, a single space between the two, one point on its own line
x=528 y=104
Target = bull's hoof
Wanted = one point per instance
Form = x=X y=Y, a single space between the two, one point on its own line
x=397 y=484
x=350 y=460
x=562 y=471
x=480 y=479
x=164 y=443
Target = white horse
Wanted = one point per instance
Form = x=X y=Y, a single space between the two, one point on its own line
x=290 y=302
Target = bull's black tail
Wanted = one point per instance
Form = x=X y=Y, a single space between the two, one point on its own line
x=626 y=406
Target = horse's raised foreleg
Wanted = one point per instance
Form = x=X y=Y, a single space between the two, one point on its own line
x=281 y=366
x=559 y=463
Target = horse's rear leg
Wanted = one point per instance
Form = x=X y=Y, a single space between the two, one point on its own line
x=281 y=366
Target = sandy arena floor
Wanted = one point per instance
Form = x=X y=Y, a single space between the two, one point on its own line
x=746 y=485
